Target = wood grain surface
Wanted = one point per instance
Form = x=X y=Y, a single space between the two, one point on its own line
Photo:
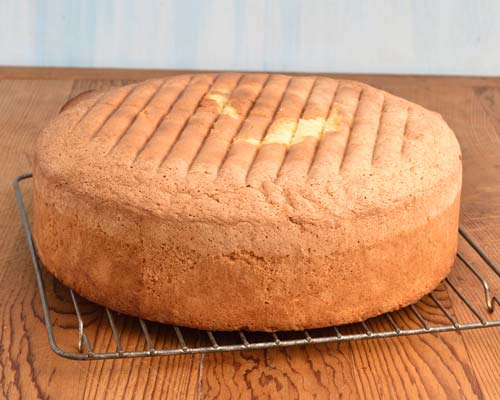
x=451 y=365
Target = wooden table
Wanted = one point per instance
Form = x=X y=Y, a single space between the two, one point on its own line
x=453 y=365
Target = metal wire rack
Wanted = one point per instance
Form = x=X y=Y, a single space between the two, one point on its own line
x=469 y=285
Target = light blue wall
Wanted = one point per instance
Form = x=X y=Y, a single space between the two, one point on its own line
x=393 y=36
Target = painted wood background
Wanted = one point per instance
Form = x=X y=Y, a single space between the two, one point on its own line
x=393 y=36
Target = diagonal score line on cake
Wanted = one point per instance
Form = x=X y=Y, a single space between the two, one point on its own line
x=148 y=118
x=246 y=143
x=84 y=115
x=329 y=114
x=344 y=150
x=292 y=137
x=242 y=122
x=185 y=135
x=185 y=123
x=404 y=144
x=89 y=134
x=377 y=134
x=275 y=111
x=364 y=133
x=98 y=94
x=304 y=107
x=302 y=149
x=132 y=88
x=217 y=144
x=389 y=143
x=147 y=103
x=273 y=147
x=209 y=130
x=162 y=118
x=331 y=148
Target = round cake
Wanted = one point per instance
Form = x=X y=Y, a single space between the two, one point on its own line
x=247 y=201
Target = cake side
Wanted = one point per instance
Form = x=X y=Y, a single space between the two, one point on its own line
x=163 y=271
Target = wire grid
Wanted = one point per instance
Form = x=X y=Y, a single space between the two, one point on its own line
x=190 y=341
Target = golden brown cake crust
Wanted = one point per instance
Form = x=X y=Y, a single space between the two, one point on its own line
x=258 y=201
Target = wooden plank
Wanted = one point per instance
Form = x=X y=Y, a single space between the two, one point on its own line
x=393 y=83
x=26 y=365
x=37 y=73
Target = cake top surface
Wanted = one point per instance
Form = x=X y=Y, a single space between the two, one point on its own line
x=299 y=142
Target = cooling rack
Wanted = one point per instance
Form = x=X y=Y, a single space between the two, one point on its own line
x=99 y=333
